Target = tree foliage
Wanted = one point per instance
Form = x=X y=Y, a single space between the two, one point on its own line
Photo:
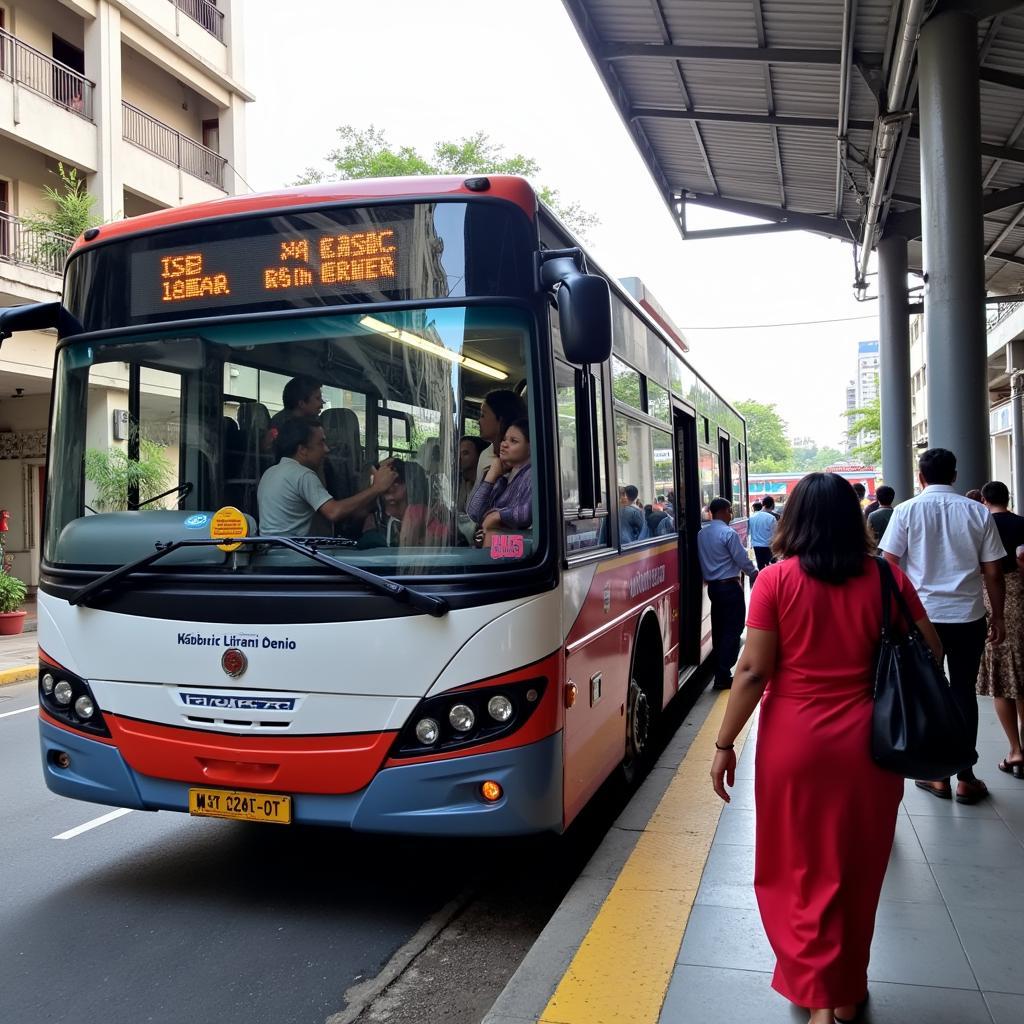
x=370 y=154
x=869 y=419
x=769 y=450
x=71 y=214
x=809 y=458
x=113 y=474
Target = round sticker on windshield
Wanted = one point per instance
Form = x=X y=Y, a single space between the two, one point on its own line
x=227 y=524
x=197 y=522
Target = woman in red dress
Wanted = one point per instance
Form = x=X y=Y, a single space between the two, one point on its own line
x=826 y=814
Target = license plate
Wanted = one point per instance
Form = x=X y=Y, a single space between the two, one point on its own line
x=233 y=803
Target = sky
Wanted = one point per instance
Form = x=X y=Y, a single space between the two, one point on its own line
x=429 y=70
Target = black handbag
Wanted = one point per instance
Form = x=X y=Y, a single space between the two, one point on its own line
x=917 y=729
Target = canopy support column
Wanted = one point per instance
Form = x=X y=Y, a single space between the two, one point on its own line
x=953 y=243
x=894 y=366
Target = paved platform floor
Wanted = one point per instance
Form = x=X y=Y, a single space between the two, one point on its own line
x=949 y=938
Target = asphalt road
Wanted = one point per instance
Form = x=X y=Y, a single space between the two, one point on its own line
x=166 y=919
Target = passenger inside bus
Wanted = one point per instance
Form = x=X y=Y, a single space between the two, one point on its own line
x=499 y=410
x=632 y=524
x=504 y=500
x=291 y=493
x=405 y=516
x=470 y=450
x=301 y=396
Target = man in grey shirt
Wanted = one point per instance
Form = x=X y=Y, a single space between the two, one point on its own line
x=291 y=493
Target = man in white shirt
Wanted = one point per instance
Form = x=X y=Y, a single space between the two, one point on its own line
x=947 y=544
x=290 y=493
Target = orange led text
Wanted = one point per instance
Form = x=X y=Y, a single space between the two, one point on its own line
x=182 y=278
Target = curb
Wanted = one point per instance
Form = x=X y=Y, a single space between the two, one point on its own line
x=531 y=987
x=18 y=674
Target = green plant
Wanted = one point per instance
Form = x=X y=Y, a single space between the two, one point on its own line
x=12 y=593
x=113 y=474
x=70 y=216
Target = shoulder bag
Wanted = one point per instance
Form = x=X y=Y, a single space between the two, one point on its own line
x=917 y=729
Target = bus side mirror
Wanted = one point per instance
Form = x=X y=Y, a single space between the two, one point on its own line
x=584 y=306
x=35 y=316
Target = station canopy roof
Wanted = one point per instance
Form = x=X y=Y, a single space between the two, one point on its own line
x=772 y=109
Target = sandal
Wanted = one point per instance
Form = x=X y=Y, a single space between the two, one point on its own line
x=1014 y=768
x=861 y=1006
x=945 y=793
x=976 y=790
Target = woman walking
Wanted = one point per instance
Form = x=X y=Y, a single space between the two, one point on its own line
x=826 y=814
x=1002 y=665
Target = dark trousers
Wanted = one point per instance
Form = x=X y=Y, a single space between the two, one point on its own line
x=964 y=644
x=728 y=611
x=763 y=557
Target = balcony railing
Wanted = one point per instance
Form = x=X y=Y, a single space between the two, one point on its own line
x=204 y=14
x=997 y=313
x=28 y=247
x=164 y=142
x=34 y=70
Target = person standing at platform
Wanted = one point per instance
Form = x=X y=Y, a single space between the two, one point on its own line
x=947 y=543
x=1002 y=666
x=762 y=527
x=724 y=563
x=878 y=518
x=826 y=813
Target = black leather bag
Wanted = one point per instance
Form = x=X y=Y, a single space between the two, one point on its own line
x=917 y=729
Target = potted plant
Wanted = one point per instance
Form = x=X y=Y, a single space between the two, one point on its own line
x=12 y=593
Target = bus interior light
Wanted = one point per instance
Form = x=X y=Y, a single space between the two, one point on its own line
x=462 y=718
x=491 y=791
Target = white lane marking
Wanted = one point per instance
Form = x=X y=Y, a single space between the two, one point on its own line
x=95 y=823
x=20 y=711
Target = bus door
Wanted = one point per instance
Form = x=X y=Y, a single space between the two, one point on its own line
x=684 y=431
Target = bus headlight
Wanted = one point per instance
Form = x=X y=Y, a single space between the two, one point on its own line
x=84 y=707
x=62 y=692
x=47 y=683
x=462 y=718
x=499 y=708
x=68 y=699
x=427 y=731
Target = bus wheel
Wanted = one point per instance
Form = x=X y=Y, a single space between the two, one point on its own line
x=638 y=732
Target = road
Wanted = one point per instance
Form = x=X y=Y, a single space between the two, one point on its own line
x=165 y=919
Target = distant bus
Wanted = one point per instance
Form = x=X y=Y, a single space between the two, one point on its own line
x=400 y=669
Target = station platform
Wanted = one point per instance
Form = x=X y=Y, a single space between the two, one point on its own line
x=662 y=926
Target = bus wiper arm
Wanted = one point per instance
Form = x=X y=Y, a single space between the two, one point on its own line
x=436 y=606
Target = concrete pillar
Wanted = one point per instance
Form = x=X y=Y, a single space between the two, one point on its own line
x=894 y=366
x=1017 y=441
x=953 y=243
x=103 y=66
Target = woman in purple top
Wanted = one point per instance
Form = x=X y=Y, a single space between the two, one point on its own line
x=504 y=499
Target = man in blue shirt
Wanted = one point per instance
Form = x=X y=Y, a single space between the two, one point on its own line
x=722 y=561
x=762 y=526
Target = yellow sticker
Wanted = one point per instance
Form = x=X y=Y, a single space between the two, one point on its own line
x=229 y=522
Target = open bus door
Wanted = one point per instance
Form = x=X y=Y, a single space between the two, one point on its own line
x=691 y=589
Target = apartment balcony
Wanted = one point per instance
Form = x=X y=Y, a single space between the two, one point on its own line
x=46 y=104
x=183 y=171
x=204 y=14
x=31 y=261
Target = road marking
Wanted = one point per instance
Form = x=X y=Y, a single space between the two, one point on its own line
x=20 y=711
x=95 y=823
x=621 y=971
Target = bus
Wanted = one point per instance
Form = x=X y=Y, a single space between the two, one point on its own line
x=397 y=668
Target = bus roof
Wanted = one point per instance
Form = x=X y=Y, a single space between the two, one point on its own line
x=502 y=186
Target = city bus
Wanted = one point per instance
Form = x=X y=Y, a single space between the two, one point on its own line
x=368 y=672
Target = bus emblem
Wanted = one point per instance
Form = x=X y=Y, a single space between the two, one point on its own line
x=234 y=662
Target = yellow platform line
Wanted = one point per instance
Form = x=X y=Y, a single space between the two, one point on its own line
x=621 y=971
x=18 y=674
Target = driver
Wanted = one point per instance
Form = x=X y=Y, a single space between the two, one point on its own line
x=291 y=493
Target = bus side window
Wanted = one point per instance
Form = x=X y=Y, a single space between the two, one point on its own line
x=579 y=404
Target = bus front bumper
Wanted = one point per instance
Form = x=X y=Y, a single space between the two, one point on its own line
x=439 y=798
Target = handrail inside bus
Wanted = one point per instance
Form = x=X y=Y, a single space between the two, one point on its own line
x=433 y=605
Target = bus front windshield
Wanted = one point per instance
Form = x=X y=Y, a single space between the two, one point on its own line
x=361 y=429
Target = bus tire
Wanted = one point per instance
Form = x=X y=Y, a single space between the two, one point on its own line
x=643 y=701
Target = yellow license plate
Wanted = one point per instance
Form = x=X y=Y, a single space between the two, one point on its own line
x=234 y=803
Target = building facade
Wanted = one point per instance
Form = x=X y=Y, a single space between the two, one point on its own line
x=144 y=99
x=865 y=387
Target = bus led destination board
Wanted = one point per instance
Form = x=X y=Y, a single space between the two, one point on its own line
x=310 y=266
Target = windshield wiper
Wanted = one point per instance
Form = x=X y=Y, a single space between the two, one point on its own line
x=436 y=606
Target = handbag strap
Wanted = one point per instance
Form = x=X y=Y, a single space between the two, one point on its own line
x=890 y=591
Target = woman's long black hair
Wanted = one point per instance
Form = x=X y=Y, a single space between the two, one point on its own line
x=823 y=525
